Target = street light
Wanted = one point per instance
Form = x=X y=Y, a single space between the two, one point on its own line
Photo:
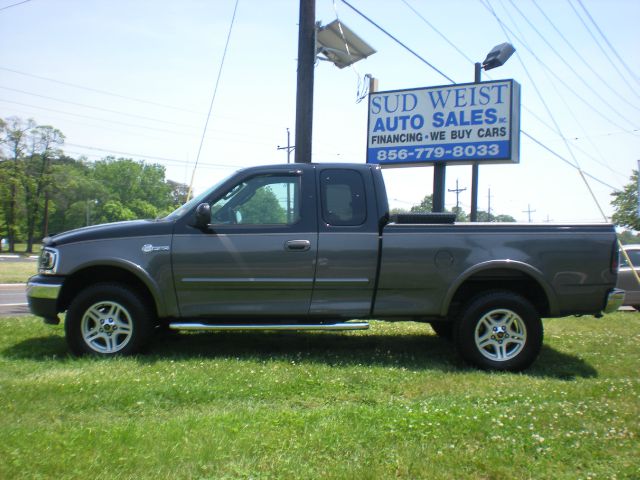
x=497 y=57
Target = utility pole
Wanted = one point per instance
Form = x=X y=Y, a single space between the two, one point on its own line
x=439 y=179
x=489 y=206
x=529 y=212
x=304 y=92
x=475 y=170
x=289 y=148
x=457 y=191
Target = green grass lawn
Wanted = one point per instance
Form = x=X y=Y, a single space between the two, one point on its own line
x=393 y=402
x=17 y=272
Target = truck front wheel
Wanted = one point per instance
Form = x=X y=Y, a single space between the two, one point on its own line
x=107 y=320
x=499 y=330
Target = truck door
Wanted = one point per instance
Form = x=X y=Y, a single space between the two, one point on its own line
x=257 y=257
x=347 y=244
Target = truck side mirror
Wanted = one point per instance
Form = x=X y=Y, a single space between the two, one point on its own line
x=203 y=216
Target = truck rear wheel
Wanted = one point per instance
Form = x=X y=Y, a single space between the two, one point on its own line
x=107 y=320
x=499 y=330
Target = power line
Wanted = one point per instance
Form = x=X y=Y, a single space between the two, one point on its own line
x=215 y=90
x=92 y=107
x=443 y=36
x=397 y=41
x=524 y=132
x=578 y=54
x=549 y=112
x=557 y=155
x=87 y=116
x=506 y=29
x=149 y=157
x=599 y=45
x=101 y=92
x=624 y=64
x=578 y=76
x=581 y=150
x=124 y=124
x=577 y=164
x=117 y=95
x=14 y=5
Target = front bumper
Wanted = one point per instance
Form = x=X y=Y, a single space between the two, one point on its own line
x=42 y=295
x=615 y=299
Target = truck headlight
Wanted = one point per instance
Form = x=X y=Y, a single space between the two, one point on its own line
x=48 y=261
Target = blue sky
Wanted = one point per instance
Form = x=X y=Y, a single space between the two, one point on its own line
x=135 y=79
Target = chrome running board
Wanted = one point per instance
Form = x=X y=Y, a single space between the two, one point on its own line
x=270 y=326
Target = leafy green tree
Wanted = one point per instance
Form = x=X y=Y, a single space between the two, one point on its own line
x=179 y=192
x=263 y=208
x=625 y=203
x=504 y=218
x=114 y=210
x=43 y=142
x=425 y=206
x=488 y=217
x=629 y=237
x=73 y=196
x=14 y=134
x=130 y=190
x=461 y=216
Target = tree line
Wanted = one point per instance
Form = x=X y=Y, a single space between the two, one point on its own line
x=426 y=206
x=43 y=191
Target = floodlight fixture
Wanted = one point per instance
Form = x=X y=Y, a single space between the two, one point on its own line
x=340 y=45
x=498 y=56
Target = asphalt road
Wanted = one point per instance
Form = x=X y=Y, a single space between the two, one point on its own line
x=13 y=299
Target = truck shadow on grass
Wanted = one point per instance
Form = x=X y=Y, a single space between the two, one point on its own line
x=418 y=352
x=414 y=352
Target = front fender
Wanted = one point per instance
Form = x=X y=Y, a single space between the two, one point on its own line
x=122 y=270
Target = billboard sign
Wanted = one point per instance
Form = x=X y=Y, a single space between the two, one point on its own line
x=453 y=124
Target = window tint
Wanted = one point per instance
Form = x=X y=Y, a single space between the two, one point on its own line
x=262 y=200
x=343 y=198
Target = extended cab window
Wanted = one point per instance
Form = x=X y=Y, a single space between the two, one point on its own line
x=343 y=199
x=261 y=200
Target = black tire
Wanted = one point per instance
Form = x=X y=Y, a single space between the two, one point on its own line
x=443 y=329
x=499 y=330
x=107 y=320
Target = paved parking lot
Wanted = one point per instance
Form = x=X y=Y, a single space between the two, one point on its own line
x=13 y=299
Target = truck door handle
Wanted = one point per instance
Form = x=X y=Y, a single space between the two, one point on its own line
x=297 y=245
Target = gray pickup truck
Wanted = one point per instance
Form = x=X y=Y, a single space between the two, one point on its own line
x=304 y=247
